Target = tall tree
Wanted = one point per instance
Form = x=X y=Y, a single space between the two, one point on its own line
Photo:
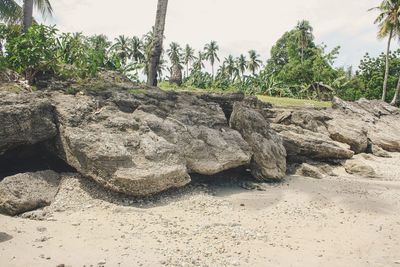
x=43 y=6
x=188 y=57
x=10 y=11
x=158 y=42
x=211 y=54
x=388 y=23
x=198 y=64
x=242 y=64
x=231 y=68
x=136 y=50
x=122 y=48
x=174 y=53
x=303 y=35
x=254 y=62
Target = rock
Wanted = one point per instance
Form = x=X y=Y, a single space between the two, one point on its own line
x=308 y=170
x=301 y=143
x=27 y=191
x=151 y=147
x=358 y=167
x=25 y=119
x=356 y=136
x=379 y=152
x=269 y=155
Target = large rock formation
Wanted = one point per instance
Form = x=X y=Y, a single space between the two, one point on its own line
x=25 y=119
x=269 y=158
x=146 y=141
x=141 y=141
x=27 y=191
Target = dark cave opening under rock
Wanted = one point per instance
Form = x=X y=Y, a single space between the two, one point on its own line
x=31 y=158
x=235 y=175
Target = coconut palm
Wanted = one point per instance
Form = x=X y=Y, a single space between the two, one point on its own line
x=174 y=53
x=230 y=67
x=254 y=63
x=122 y=48
x=10 y=11
x=198 y=64
x=158 y=42
x=188 y=57
x=211 y=54
x=304 y=36
x=43 y=6
x=136 y=50
x=241 y=63
x=388 y=23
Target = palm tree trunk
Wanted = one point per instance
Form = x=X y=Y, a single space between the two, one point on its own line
x=212 y=70
x=395 y=100
x=28 y=14
x=158 y=42
x=387 y=67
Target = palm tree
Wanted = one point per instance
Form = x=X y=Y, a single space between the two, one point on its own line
x=388 y=23
x=230 y=67
x=211 y=54
x=188 y=57
x=10 y=11
x=304 y=36
x=241 y=63
x=43 y=6
x=254 y=62
x=158 y=42
x=136 y=50
x=174 y=53
x=198 y=64
x=395 y=100
x=122 y=48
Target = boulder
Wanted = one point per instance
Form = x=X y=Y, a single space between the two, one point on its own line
x=360 y=168
x=151 y=146
x=27 y=191
x=348 y=132
x=311 y=171
x=304 y=144
x=269 y=155
x=25 y=119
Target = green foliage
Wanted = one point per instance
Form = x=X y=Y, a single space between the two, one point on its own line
x=32 y=52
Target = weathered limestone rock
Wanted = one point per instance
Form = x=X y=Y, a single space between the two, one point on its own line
x=301 y=143
x=25 y=119
x=27 y=191
x=269 y=159
x=379 y=152
x=149 y=145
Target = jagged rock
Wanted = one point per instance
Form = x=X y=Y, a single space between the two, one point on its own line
x=269 y=159
x=300 y=143
x=27 y=191
x=25 y=119
x=355 y=135
x=150 y=147
x=358 y=167
x=308 y=170
x=225 y=101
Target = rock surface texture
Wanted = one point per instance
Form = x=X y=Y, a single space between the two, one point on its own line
x=141 y=141
x=25 y=119
x=27 y=191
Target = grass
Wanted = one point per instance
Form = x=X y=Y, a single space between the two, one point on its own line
x=277 y=101
x=293 y=102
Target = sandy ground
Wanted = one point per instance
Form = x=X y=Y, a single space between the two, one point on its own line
x=336 y=221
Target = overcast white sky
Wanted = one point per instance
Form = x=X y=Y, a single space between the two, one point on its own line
x=237 y=25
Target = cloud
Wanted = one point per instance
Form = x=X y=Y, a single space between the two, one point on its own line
x=236 y=25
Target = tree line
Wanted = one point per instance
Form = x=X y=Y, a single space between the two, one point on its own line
x=296 y=66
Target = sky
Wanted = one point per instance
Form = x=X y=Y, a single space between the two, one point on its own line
x=236 y=25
